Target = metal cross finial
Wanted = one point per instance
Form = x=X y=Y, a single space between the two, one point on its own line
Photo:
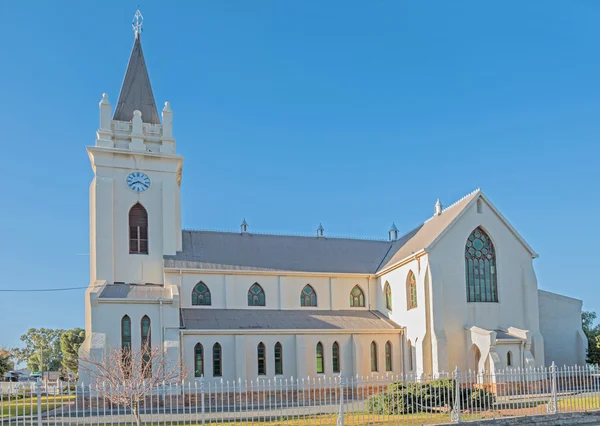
x=138 y=21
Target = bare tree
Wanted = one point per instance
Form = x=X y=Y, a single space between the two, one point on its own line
x=126 y=376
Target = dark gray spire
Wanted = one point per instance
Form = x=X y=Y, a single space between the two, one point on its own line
x=136 y=92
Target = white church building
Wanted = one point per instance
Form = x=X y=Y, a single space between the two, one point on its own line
x=458 y=290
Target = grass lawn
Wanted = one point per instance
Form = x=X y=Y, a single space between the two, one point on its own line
x=27 y=406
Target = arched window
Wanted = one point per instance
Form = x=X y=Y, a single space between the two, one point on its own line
x=410 y=356
x=126 y=333
x=411 y=290
x=388 y=356
x=480 y=268
x=388 y=296
x=262 y=364
x=357 y=297
x=146 y=347
x=320 y=359
x=509 y=359
x=308 y=297
x=198 y=360
x=278 y=355
x=373 y=356
x=335 y=357
x=138 y=230
x=256 y=295
x=217 y=364
x=201 y=295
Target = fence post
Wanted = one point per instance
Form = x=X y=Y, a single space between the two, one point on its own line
x=553 y=403
x=38 y=393
x=455 y=414
x=340 y=419
x=202 y=396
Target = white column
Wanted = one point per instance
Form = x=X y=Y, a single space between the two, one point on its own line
x=137 y=133
x=104 y=134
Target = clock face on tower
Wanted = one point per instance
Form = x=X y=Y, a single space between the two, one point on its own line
x=138 y=181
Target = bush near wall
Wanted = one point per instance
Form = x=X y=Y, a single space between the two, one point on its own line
x=436 y=395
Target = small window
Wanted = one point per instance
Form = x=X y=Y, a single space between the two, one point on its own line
x=388 y=296
x=357 y=297
x=138 y=230
x=410 y=356
x=146 y=347
x=217 y=364
x=198 y=360
x=509 y=359
x=320 y=359
x=411 y=290
x=308 y=297
x=256 y=295
x=262 y=364
x=278 y=352
x=335 y=357
x=201 y=295
x=479 y=206
x=373 y=356
x=388 y=356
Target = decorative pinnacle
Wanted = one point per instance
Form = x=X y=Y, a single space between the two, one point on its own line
x=138 y=21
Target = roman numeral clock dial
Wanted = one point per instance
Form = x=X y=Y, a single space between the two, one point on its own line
x=138 y=181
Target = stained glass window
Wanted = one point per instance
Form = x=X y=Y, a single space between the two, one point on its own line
x=388 y=356
x=262 y=364
x=373 y=356
x=256 y=295
x=201 y=295
x=411 y=290
x=278 y=358
x=388 y=296
x=335 y=357
x=480 y=268
x=357 y=297
x=126 y=333
x=198 y=360
x=320 y=359
x=308 y=297
x=146 y=347
x=217 y=367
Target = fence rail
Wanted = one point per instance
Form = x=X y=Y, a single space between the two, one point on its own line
x=324 y=401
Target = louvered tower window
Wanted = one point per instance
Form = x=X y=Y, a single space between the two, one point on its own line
x=138 y=230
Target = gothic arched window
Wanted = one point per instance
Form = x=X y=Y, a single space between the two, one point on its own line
x=198 y=360
x=509 y=359
x=146 y=347
x=262 y=362
x=308 y=297
x=388 y=296
x=411 y=290
x=373 y=356
x=278 y=355
x=388 y=356
x=320 y=359
x=335 y=357
x=357 y=297
x=138 y=230
x=217 y=364
x=256 y=295
x=201 y=295
x=126 y=333
x=480 y=268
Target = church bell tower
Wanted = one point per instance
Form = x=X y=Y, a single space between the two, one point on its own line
x=135 y=207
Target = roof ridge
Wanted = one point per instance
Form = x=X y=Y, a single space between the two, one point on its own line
x=273 y=234
x=454 y=204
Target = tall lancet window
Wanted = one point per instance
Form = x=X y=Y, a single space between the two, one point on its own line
x=146 y=347
x=480 y=268
x=138 y=230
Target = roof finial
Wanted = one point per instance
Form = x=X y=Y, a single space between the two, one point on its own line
x=438 y=207
x=244 y=227
x=320 y=231
x=138 y=21
x=393 y=232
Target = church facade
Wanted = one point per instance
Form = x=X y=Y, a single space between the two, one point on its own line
x=459 y=290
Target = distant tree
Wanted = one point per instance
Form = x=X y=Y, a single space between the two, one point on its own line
x=6 y=357
x=592 y=333
x=126 y=377
x=70 y=341
x=42 y=349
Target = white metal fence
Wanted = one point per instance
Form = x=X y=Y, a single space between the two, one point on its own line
x=324 y=401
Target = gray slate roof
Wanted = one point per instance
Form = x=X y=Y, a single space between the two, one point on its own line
x=503 y=335
x=259 y=319
x=260 y=252
x=134 y=291
x=136 y=91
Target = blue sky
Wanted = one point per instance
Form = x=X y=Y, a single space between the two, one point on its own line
x=350 y=113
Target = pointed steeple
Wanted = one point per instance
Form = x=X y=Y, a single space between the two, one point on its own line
x=136 y=91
